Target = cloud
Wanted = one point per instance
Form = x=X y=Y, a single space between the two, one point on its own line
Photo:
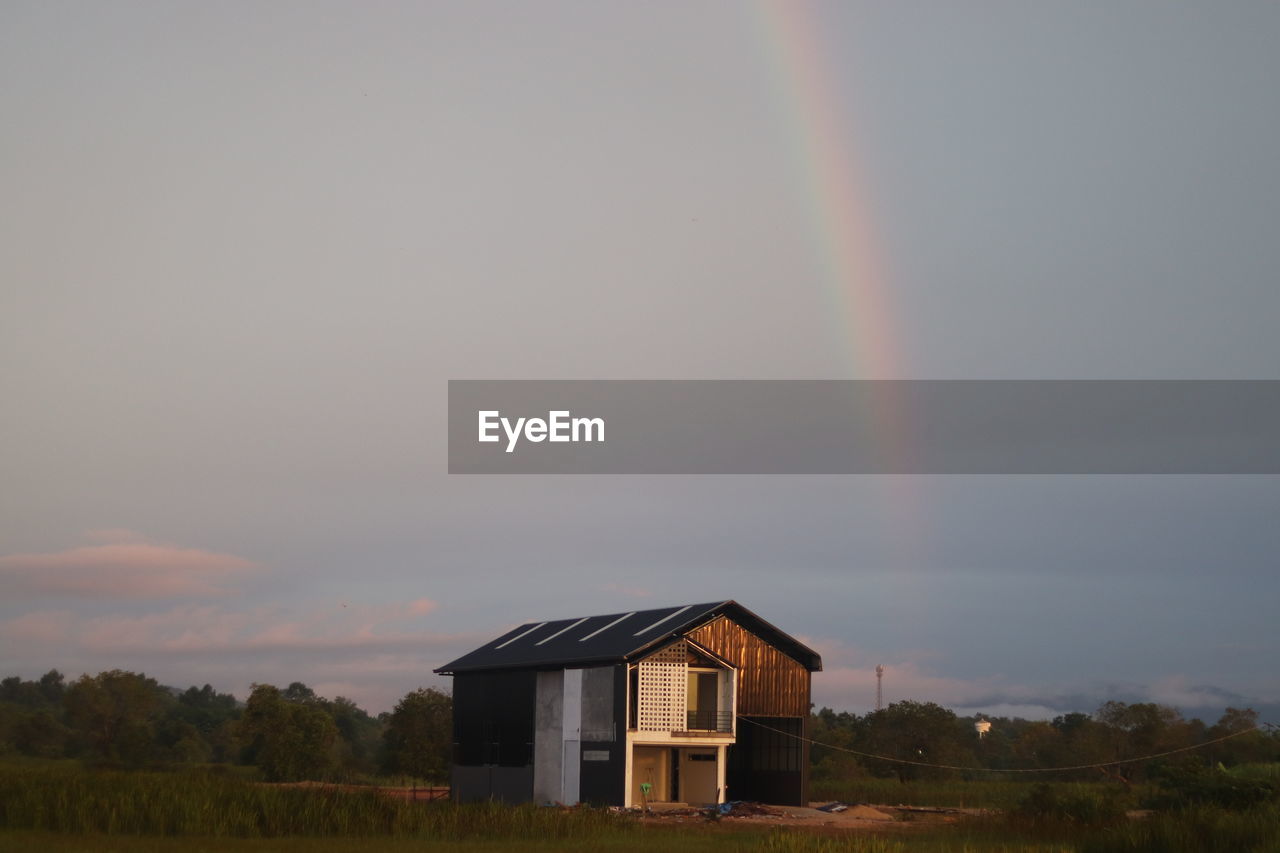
x=372 y=653
x=206 y=630
x=126 y=567
x=848 y=682
x=848 y=678
x=41 y=628
x=1006 y=709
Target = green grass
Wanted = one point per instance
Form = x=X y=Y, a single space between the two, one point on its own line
x=64 y=809
x=977 y=794
x=644 y=842
x=667 y=841
x=1203 y=830
x=1265 y=772
x=209 y=804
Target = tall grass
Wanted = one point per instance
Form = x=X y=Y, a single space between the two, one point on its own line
x=206 y=804
x=1195 y=830
x=977 y=794
x=934 y=841
x=87 y=808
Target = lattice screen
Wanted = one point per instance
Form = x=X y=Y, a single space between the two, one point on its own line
x=664 y=678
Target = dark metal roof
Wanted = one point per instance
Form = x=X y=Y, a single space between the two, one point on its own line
x=616 y=637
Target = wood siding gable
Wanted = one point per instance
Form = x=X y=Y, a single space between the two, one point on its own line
x=770 y=683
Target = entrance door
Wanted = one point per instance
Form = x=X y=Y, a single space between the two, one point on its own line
x=698 y=776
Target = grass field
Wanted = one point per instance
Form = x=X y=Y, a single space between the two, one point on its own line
x=60 y=808
x=978 y=794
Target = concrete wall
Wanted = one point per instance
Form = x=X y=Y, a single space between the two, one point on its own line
x=548 y=735
x=571 y=706
x=572 y=744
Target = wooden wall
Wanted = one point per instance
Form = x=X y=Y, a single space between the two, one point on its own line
x=770 y=683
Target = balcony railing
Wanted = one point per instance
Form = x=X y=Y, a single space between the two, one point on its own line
x=709 y=721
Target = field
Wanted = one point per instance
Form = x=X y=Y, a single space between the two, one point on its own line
x=64 y=808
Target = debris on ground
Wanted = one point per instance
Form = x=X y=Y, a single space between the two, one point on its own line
x=864 y=812
x=742 y=808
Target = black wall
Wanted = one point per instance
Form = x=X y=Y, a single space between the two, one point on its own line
x=769 y=766
x=602 y=783
x=493 y=729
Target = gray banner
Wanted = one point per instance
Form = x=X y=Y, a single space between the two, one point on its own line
x=864 y=427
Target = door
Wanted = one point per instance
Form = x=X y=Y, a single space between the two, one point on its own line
x=698 y=776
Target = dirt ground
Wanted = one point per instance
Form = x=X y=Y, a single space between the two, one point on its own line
x=821 y=816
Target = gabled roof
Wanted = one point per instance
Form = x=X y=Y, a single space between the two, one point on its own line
x=616 y=637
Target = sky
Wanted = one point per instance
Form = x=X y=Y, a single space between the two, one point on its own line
x=243 y=248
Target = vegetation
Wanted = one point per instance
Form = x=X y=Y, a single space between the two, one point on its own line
x=117 y=757
x=203 y=803
x=419 y=735
x=126 y=720
x=61 y=806
x=1108 y=744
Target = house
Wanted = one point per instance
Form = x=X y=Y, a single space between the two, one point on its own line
x=699 y=703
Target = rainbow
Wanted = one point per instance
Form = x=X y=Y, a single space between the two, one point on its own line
x=855 y=277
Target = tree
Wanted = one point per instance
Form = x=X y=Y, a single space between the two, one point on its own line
x=198 y=726
x=359 y=735
x=839 y=730
x=419 y=735
x=115 y=714
x=920 y=732
x=1141 y=729
x=1250 y=744
x=38 y=733
x=289 y=741
x=52 y=686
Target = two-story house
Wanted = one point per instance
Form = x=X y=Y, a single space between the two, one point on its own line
x=699 y=703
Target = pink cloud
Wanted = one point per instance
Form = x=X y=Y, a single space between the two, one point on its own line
x=336 y=650
x=41 y=628
x=217 y=629
x=848 y=679
x=133 y=569
x=422 y=606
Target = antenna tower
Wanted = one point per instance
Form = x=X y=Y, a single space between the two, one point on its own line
x=879 y=687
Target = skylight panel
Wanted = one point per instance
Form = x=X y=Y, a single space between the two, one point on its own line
x=660 y=621
x=607 y=627
x=518 y=636
x=562 y=630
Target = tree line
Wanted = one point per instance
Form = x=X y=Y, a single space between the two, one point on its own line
x=126 y=719
x=928 y=735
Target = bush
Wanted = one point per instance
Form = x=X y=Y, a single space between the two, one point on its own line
x=1197 y=829
x=1192 y=784
x=1077 y=806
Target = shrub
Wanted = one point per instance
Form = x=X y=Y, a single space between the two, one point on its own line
x=1077 y=806
x=1192 y=784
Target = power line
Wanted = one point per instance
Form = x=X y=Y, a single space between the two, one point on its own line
x=1006 y=769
